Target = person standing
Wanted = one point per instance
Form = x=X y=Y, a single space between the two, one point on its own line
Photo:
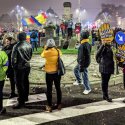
x=84 y=59
x=3 y=69
x=10 y=72
x=57 y=30
x=50 y=54
x=34 y=39
x=104 y=57
x=69 y=29
x=124 y=79
x=21 y=55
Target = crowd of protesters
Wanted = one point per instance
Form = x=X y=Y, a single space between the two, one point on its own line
x=15 y=59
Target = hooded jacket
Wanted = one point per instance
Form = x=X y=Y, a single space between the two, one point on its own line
x=84 y=53
x=106 y=63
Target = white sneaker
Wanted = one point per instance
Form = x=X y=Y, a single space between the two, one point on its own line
x=86 y=92
x=76 y=83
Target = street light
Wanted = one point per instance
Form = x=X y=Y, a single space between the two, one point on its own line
x=20 y=12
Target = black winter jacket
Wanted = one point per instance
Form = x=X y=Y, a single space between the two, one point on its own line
x=106 y=63
x=21 y=55
x=84 y=55
x=8 y=49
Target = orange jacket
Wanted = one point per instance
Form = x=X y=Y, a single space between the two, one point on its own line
x=51 y=56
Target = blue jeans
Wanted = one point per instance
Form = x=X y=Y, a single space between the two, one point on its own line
x=84 y=75
x=34 y=45
x=93 y=41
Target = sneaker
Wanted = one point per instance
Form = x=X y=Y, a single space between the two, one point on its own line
x=86 y=92
x=76 y=83
x=2 y=111
x=48 y=108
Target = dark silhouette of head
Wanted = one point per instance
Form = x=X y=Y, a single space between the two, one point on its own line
x=22 y=36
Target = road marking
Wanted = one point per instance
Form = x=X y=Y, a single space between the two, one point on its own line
x=68 y=112
x=32 y=98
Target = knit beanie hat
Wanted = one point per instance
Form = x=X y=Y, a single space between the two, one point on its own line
x=84 y=35
x=50 y=43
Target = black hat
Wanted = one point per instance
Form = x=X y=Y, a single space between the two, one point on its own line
x=22 y=36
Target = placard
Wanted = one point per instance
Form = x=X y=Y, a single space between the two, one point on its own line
x=106 y=33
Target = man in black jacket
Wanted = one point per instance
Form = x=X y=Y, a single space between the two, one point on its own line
x=84 y=53
x=21 y=55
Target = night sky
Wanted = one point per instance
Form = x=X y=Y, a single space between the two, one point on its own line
x=92 y=6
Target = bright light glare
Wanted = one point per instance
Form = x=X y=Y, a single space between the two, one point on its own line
x=77 y=11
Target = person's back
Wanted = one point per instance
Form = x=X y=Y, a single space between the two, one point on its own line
x=21 y=55
x=34 y=36
x=24 y=54
x=51 y=56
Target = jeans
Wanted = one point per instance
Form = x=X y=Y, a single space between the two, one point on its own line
x=93 y=41
x=1 y=94
x=50 y=78
x=34 y=45
x=105 y=81
x=22 y=82
x=84 y=75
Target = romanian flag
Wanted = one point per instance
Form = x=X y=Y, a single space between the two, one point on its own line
x=45 y=16
x=27 y=21
x=36 y=21
x=28 y=37
x=41 y=18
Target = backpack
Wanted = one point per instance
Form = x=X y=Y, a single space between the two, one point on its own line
x=33 y=35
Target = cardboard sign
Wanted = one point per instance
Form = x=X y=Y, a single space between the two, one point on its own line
x=106 y=33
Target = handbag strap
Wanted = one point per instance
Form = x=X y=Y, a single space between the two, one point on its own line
x=58 y=52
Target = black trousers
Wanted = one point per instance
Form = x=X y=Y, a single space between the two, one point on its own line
x=50 y=78
x=69 y=32
x=1 y=94
x=13 y=84
x=124 y=80
x=22 y=83
x=105 y=81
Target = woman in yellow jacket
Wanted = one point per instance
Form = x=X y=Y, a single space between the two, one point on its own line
x=50 y=53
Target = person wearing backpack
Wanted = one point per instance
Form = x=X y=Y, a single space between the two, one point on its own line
x=104 y=57
x=3 y=69
x=34 y=39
